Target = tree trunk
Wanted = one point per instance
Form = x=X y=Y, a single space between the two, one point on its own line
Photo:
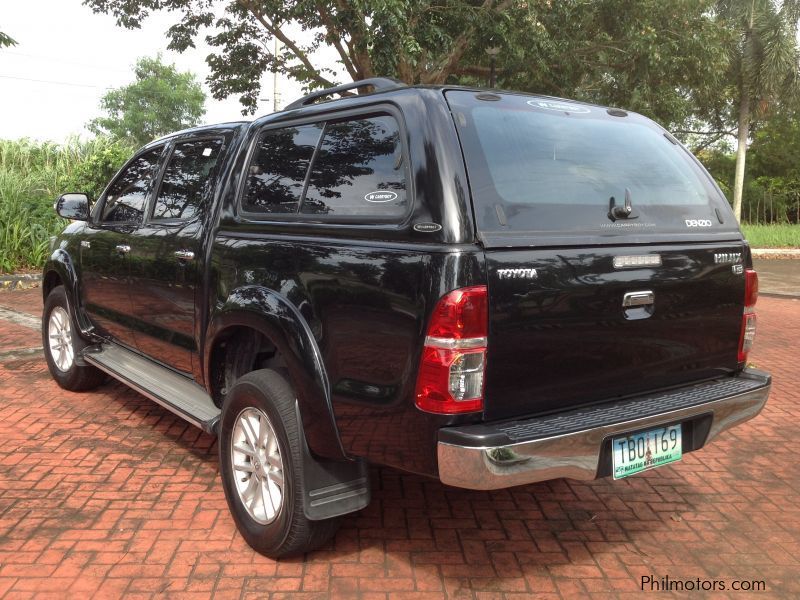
x=741 y=152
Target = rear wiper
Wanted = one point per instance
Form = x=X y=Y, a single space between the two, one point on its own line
x=621 y=212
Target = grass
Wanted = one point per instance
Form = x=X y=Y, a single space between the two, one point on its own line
x=772 y=236
x=32 y=176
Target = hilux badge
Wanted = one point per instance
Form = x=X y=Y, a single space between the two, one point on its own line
x=721 y=258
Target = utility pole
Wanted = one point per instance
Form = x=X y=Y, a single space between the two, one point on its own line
x=492 y=52
x=275 y=94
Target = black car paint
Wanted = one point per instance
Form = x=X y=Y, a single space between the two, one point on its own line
x=346 y=304
x=566 y=337
x=363 y=291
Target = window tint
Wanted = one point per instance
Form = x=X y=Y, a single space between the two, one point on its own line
x=126 y=197
x=358 y=171
x=187 y=179
x=536 y=165
x=545 y=157
x=277 y=171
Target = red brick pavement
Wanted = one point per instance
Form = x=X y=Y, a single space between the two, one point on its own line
x=105 y=494
x=13 y=336
x=27 y=301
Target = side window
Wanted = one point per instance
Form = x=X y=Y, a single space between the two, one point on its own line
x=127 y=196
x=277 y=171
x=358 y=170
x=187 y=179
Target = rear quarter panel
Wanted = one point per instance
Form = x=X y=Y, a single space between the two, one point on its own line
x=364 y=291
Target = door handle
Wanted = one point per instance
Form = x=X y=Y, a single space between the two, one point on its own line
x=643 y=298
x=184 y=254
x=123 y=248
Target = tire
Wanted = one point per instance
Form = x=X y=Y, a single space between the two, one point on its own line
x=251 y=480
x=62 y=344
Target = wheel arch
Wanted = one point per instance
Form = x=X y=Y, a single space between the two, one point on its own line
x=60 y=270
x=261 y=310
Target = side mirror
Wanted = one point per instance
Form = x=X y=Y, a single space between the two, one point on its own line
x=73 y=206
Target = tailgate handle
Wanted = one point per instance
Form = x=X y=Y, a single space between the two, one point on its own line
x=643 y=298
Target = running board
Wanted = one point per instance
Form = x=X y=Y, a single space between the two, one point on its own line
x=174 y=392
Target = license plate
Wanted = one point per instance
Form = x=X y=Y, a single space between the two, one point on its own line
x=639 y=452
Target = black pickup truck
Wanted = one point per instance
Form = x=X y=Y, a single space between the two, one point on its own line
x=484 y=287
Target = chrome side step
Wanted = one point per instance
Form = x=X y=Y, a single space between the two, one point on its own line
x=174 y=392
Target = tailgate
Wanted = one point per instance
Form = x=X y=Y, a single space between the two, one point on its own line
x=560 y=336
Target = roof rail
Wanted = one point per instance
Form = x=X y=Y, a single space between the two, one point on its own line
x=380 y=84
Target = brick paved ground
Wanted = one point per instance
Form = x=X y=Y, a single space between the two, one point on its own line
x=14 y=337
x=777 y=276
x=105 y=494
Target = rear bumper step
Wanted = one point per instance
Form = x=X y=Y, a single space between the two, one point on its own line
x=574 y=444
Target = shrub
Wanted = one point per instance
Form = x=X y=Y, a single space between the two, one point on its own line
x=91 y=175
x=32 y=176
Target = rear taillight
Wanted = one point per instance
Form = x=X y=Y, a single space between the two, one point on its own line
x=750 y=288
x=453 y=363
x=748 y=332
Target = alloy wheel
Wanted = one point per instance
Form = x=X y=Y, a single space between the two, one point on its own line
x=59 y=335
x=257 y=465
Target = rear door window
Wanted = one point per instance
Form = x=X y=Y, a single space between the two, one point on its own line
x=552 y=167
x=344 y=170
x=277 y=172
x=187 y=179
x=358 y=171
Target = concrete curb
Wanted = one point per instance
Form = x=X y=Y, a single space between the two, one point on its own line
x=22 y=353
x=20 y=318
x=784 y=295
x=767 y=253
x=20 y=281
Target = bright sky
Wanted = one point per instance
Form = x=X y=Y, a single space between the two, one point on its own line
x=67 y=57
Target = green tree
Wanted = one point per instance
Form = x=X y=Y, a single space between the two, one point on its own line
x=91 y=174
x=649 y=55
x=764 y=66
x=771 y=189
x=6 y=40
x=416 y=41
x=159 y=101
x=775 y=162
x=776 y=145
x=663 y=59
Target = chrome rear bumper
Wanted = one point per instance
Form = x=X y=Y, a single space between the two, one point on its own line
x=571 y=444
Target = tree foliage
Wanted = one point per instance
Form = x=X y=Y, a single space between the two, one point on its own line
x=776 y=145
x=6 y=40
x=161 y=100
x=771 y=186
x=91 y=175
x=775 y=164
x=764 y=68
x=663 y=59
x=649 y=55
